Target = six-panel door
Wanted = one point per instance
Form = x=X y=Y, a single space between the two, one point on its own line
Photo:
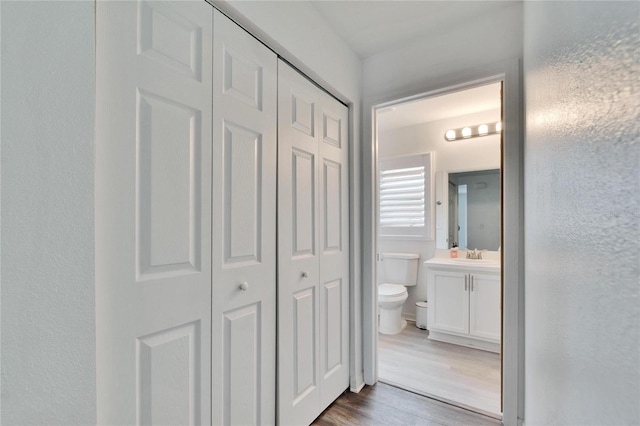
x=313 y=247
x=244 y=227
x=153 y=212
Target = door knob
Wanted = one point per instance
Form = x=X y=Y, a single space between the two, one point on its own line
x=243 y=286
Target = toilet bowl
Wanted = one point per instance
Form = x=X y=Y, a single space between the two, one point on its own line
x=399 y=270
x=391 y=297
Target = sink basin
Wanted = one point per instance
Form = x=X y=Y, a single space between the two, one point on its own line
x=464 y=263
x=471 y=261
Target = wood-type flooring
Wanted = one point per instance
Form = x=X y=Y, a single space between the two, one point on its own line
x=464 y=376
x=386 y=405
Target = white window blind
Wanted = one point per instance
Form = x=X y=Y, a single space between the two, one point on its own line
x=404 y=196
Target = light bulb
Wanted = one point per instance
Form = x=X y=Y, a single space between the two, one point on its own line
x=466 y=132
x=450 y=135
x=499 y=126
x=483 y=129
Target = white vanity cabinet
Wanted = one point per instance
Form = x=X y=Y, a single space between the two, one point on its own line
x=464 y=303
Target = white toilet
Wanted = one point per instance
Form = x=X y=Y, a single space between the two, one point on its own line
x=399 y=270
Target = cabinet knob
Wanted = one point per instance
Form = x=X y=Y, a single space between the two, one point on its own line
x=304 y=274
x=243 y=286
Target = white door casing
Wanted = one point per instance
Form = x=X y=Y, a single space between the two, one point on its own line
x=153 y=212
x=244 y=227
x=313 y=249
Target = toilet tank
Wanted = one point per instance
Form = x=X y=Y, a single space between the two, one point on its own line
x=400 y=268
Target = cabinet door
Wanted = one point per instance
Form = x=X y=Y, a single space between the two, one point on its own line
x=485 y=306
x=448 y=301
x=153 y=212
x=244 y=223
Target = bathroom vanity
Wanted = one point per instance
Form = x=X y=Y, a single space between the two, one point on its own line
x=464 y=297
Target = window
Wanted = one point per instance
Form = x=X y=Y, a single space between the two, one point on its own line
x=405 y=191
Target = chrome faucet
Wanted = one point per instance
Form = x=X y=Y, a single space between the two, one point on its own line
x=474 y=254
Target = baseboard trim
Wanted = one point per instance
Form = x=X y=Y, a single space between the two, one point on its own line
x=464 y=341
x=358 y=388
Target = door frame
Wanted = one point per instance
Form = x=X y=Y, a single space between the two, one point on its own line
x=509 y=72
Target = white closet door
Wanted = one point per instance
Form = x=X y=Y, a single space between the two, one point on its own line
x=313 y=278
x=153 y=212
x=298 y=260
x=244 y=227
x=333 y=213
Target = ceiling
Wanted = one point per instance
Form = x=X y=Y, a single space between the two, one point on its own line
x=373 y=26
x=369 y=27
x=464 y=102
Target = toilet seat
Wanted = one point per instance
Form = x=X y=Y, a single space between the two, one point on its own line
x=391 y=290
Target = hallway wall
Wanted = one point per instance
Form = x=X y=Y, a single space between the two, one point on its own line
x=582 y=213
x=48 y=289
x=419 y=65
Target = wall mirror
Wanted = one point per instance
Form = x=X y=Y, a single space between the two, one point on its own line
x=474 y=209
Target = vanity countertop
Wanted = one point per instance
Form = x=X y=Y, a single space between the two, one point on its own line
x=465 y=264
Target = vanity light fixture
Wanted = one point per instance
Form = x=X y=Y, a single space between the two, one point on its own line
x=450 y=135
x=473 y=131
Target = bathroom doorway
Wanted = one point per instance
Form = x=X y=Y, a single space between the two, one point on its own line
x=439 y=188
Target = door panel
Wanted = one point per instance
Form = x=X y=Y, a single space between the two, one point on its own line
x=304 y=337
x=333 y=353
x=332 y=197
x=169 y=375
x=242 y=176
x=242 y=343
x=313 y=246
x=303 y=183
x=153 y=212
x=244 y=219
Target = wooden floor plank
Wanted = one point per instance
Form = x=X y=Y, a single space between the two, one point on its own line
x=467 y=376
x=384 y=404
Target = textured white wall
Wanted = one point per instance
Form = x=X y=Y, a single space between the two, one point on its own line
x=48 y=308
x=582 y=236
x=487 y=38
x=459 y=156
